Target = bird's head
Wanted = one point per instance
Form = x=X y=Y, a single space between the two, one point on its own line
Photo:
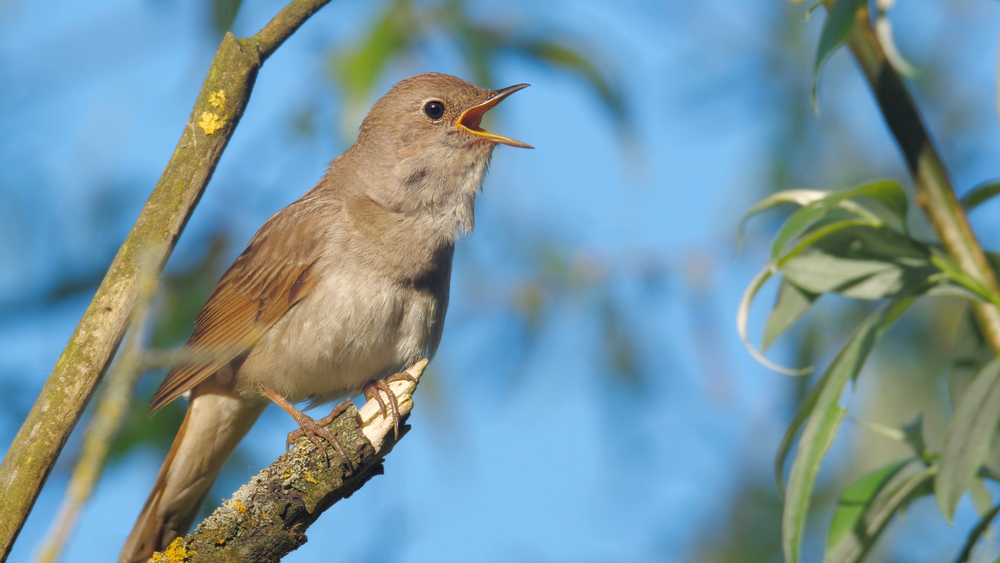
x=426 y=136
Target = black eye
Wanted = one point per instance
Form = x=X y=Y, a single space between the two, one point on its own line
x=434 y=109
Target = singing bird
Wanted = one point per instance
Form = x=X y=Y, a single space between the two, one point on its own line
x=336 y=293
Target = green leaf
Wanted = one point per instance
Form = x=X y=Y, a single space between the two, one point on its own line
x=957 y=275
x=883 y=30
x=980 y=195
x=823 y=418
x=974 y=535
x=224 y=14
x=887 y=192
x=892 y=496
x=836 y=28
x=862 y=262
x=914 y=432
x=968 y=438
x=854 y=502
x=743 y=314
x=799 y=197
x=969 y=355
x=910 y=434
x=358 y=69
x=791 y=304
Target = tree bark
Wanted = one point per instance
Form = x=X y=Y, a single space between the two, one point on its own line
x=267 y=518
x=220 y=104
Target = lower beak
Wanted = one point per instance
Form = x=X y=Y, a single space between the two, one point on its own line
x=472 y=117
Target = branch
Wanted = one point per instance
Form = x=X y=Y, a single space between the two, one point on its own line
x=221 y=102
x=267 y=518
x=935 y=194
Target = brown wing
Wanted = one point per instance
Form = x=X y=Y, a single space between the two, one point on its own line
x=273 y=274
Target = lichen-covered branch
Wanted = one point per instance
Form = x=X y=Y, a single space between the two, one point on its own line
x=220 y=104
x=267 y=518
x=935 y=194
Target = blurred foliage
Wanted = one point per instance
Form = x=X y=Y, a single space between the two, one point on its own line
x=765 y=69
x=404 y=25
x=839 y=243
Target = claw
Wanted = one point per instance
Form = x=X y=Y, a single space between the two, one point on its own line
x=313 y=430
x=372 y=392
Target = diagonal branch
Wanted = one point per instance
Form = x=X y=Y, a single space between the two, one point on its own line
x=935 y=194
x=220 y=104
x=267 y=518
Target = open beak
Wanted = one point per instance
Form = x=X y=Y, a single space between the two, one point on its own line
x=472 y=117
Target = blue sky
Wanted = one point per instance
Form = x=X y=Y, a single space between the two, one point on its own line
x=540 y=459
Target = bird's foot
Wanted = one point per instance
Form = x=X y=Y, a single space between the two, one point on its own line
x=372 y=389
x=312 y=429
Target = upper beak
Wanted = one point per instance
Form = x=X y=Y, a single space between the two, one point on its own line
x=472 y=117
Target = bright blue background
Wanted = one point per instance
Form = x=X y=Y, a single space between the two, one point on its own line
x=518 y=451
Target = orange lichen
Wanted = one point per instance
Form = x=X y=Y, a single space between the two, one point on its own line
x=176 y=552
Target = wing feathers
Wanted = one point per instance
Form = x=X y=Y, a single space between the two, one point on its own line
x=276 y=271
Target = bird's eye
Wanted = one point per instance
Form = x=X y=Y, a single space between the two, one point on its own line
x=434 y=109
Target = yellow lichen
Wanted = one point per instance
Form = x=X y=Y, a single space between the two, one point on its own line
x=176 y=552
x=241 y=508
x=210 y=122
x=309 y=477
x=218 y=99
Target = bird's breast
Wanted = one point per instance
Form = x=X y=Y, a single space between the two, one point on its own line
x=357 y=325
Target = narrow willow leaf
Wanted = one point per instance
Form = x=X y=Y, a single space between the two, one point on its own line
x=743 y=314
x=981 y=496
x=914 y=432
x=799 y=197
x=862 y=262
x=968 y=437
x=887 y=192
x=823 y=421
x=892 y=497
x=791 y=304
x=976 y=533
x=980 y=195
x=944 y=262
x=224 y=14
x=969 y=355
x=836 y=28
x=356 y=71
x=854 y=502
x=883 y=30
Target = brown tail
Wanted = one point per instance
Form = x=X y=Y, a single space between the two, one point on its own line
x=213 y=426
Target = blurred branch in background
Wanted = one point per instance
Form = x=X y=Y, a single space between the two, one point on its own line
x=404 y=25
x=216 y=113
x=112 y=405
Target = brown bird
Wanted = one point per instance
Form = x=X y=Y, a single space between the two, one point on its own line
x=337 y=292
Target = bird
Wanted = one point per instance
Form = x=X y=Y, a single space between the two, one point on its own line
x=335 y=295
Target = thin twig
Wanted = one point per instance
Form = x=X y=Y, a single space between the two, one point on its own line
x=221 y=102
x=267 y=517
x=935 y=194
x=113 y=404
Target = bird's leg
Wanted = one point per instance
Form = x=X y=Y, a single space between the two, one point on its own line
x=372 y=391
x=310 y=428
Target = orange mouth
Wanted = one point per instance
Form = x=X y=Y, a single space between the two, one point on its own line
x=471 y=118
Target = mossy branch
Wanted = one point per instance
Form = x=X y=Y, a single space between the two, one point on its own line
x=935 y=194
x=220 y=104
x=267 y=518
